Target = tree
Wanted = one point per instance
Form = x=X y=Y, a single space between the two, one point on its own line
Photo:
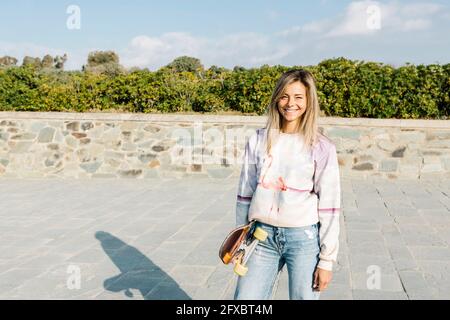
x=60 y=61
x=47 y=61
x=98 y=58
x=215 y=72
x=103 y=62
x=7 y=61
x=186 y=63
x=30 y=61
x=238 y=69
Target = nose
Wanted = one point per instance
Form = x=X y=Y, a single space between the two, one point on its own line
x=291 y=102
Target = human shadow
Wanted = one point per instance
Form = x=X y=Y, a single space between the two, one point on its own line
x=137 y=272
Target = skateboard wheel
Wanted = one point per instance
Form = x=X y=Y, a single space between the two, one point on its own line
x=240 y=270
x=260 y=234
x=227 y=258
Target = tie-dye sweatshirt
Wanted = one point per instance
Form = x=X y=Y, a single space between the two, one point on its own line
x=292 y=187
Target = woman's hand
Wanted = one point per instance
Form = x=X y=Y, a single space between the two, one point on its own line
x=321 y=279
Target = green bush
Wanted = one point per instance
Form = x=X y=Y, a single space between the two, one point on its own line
x=19 y=89
x=346 y=88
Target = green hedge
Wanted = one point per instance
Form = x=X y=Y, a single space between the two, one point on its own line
x=346 y=89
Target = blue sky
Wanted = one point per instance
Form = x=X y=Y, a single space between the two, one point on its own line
x=228 y=33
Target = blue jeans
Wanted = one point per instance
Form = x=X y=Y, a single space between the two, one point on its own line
x=298 y=248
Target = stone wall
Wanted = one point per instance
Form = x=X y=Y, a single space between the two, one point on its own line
x=100 y=145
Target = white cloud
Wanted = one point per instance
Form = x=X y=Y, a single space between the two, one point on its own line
x=400 y=39
x=394 y=17
x=354 y=21
x=157 y=51
x=416 y=24
x=271 y=58
x=291 y=31
x=315 y=27
x=420 y=9
x=311 y=27
x=247 y=48
x=406 y=34
x=305 y=44
x=409 y=17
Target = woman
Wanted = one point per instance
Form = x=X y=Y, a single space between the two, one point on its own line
x=290 y=185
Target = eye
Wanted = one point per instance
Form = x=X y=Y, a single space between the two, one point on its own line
x=299 y=97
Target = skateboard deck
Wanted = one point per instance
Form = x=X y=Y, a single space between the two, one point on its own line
x=240 y=244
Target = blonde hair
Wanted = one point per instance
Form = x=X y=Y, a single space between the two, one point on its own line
x=308 y=124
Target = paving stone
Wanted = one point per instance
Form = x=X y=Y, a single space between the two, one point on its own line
x=337 y=292
x=430 y=253
x=378 y=295
x=415 y=285
x=135 y=240
x=192 y=274
x=360 y=263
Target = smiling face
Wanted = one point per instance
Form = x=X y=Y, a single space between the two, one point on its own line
x=292 y=105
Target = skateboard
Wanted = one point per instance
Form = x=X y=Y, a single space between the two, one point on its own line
x=239 y=245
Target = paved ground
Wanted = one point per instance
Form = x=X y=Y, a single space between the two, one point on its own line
x=158 y=239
